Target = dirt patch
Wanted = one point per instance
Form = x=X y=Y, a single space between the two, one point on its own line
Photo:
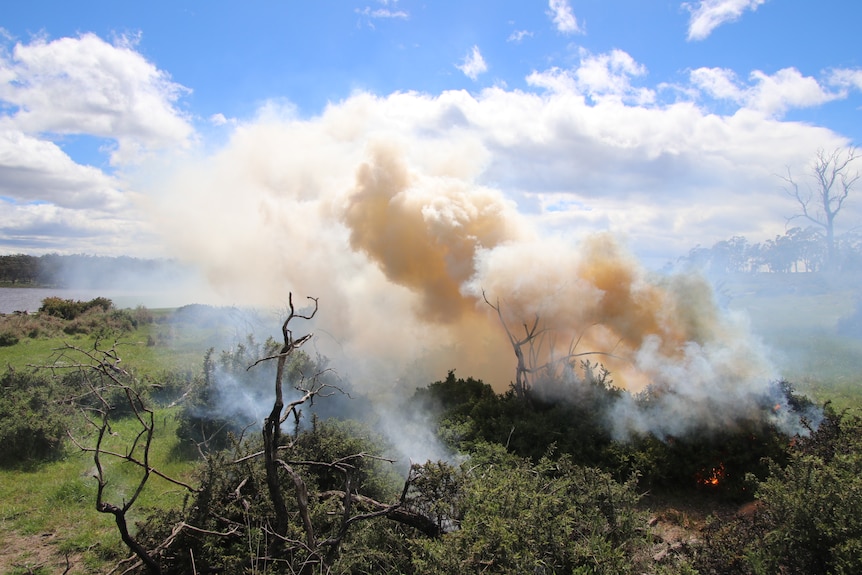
x=32 y=553
x=677 y=522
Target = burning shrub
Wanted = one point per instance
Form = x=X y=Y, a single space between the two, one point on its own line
x=808 y=515
x=229 y=396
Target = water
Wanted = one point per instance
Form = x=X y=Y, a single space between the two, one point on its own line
x=30 y=299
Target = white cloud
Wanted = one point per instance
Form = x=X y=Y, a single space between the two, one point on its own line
x=846 y=78
x=86 y=86
x=54 y=91
x=384 y=13
x=220 y=119
x=599 y=77
x=564 y=19
x=772 y=95
x=35 y=170
x=707 y=15
x=718 y=83
x=518 y=36
x=49 y=228
x=473 y=64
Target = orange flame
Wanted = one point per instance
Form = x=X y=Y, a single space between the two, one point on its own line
x=713 y=478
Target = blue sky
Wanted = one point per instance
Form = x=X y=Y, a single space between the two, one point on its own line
x=664 y=122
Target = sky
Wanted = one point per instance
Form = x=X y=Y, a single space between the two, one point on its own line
x=413 y=163
x=666 y=123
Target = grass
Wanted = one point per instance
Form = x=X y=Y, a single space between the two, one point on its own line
x=53 y=503
x=152 y=347
x=800 y=329
x=59 y=497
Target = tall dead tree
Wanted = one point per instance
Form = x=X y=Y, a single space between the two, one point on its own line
x=355 y=507
x=821 y=202
x=272 y=426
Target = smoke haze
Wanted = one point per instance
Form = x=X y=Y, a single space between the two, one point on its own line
x=401 y=241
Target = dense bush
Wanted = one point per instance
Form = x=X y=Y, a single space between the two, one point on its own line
x=32 y=418
x=70 y=309
x=813 y=506
x=549 y=517
x=808 y=515
x=8 y=338
x=234 y=494
x=470 y=413
x=59 y=316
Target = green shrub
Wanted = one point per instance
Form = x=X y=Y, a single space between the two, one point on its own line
x=549 y=517
x=8 y=339
x=32 y=419
x=808 y=515
x=70 y=309
x=814 y=505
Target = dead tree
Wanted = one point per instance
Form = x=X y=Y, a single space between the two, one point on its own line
x=821 y=203
x=101 y=376
x=536 y=354
x=272 y=426
x=354 y=507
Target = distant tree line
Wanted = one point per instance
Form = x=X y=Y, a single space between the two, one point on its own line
x=78 y=270
x=798 y=250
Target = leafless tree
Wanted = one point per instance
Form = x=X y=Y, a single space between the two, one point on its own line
x=108 y=391
x=833 y=179
x=355 y=507
x=536 y=354
x=102 y=378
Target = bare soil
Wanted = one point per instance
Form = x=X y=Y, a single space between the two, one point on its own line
x=36 y=554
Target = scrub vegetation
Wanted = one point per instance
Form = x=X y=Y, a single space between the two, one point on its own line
x=126 y=450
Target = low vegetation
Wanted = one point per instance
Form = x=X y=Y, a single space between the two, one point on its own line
x=531 y=486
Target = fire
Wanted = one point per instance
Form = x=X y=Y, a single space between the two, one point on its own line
x=712 y=478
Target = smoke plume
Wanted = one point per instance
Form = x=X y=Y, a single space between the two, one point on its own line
x=403 y=246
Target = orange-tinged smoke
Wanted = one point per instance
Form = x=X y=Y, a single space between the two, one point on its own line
x=402 y=246
x=424 y=241
x=453 y=245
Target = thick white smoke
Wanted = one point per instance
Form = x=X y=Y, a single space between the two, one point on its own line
x=387 y=223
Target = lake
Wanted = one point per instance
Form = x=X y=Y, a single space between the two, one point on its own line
x=30 y=299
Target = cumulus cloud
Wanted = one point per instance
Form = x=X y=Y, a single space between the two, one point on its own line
x=707 y=15
x=85 y=85
x=49 y=228
x=34 y=170
x=473 y=64
x=564 y=19
x=772 y=95
x=52 y=90
x=600 y=77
